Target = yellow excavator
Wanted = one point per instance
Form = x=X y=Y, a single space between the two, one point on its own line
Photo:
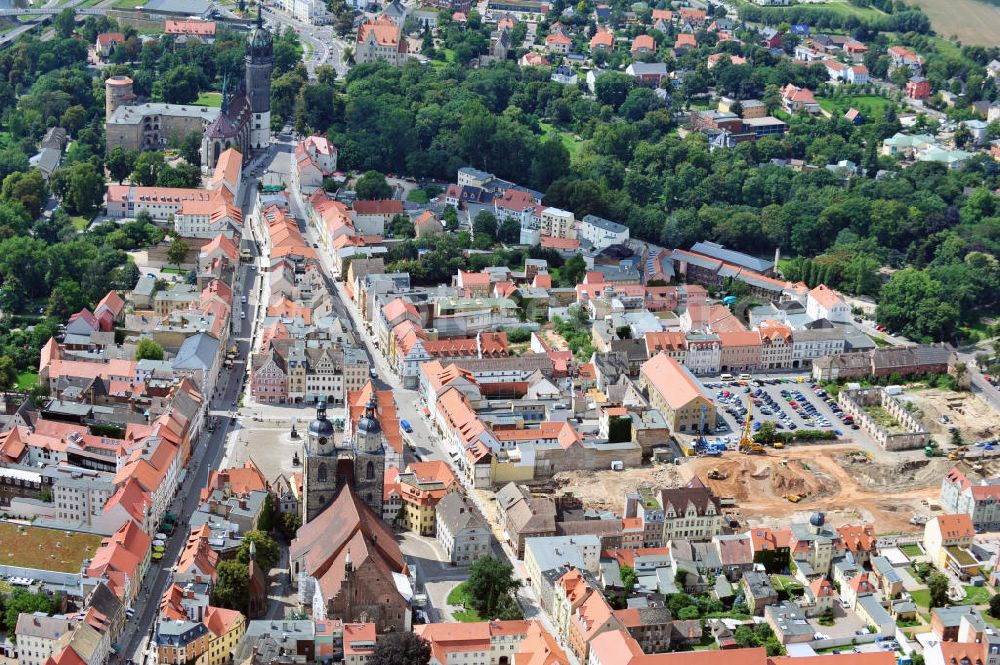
x=747 y=444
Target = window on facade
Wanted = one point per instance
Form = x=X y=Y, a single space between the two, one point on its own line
x=321 y=473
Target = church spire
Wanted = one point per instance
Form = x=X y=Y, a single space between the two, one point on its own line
x=260 y=16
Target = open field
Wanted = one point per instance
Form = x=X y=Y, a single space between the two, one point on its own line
x=26 y=381
x=871 y=106
x=45 y=549
x=571 y=142
x=971 y=21
x=212 y=99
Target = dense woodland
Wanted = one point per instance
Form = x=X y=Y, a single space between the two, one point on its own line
x=923 y=240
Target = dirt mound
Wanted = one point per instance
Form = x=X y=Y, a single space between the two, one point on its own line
x=899 y=477
x=756 y=478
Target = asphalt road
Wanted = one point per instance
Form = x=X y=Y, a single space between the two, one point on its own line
x=206 y=455
x=323 y=46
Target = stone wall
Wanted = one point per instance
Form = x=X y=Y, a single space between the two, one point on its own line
x=853 y=402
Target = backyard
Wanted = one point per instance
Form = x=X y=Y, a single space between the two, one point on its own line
x=45 y=549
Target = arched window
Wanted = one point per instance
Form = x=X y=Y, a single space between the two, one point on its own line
x=370 y=471
x=321 y=473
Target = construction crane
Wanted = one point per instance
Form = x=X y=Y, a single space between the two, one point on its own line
x=747 y=444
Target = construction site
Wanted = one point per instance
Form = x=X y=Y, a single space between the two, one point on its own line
x=850 y=481
x=940 y=410
x=771 y=489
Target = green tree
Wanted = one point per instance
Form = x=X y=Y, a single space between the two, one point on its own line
x=401 y=648
x=74 y=118
x=573 y=271
x=81 y=187
x=450 y=218
x=28 y=189
x=232 y=586
x=268 y=552
x=191 y=148
x=147 y=168
x=688 y=613
x=288 y=524
x=937 y=585
x=401 y=227
x=177 y=252
x=120 y=163
x=27 y=602
x=509 y=232
x=551 y=162
x=612 y=88
x=491 y=585
x=66 y=299
x=629 y=579
x=65 y=22
x=372 y=186
x=767 y=434
x=8 y=373
x=485 y=224
x=148 y=349
x=181 y=84
x=995 y=606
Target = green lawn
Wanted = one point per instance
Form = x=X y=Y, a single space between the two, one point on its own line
x=80 y=222
x=785 y=583
x=128 y=4
x=572 y=143
x=922 y=597
x=869 y=105
x=911 y=550
x=459 y=596
x=213 y=99
x=418 y=196
x=26 y=381
x=976 y=595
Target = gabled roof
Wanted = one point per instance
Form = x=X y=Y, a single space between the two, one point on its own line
x=673 y=381
x=348 y=524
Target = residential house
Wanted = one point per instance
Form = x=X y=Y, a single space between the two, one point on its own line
x=980 y=501
x=691 y=512
x=795 y=99
x=758 y=591
x=461 y=530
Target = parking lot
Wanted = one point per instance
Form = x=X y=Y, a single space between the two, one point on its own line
x=791 y=403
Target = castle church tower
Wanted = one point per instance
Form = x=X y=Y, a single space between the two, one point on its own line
x=259 y=63
x=369 y=458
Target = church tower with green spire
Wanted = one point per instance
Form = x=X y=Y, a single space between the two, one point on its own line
x=258 y=65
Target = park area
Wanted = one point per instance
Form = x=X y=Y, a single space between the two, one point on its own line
x=45 y=549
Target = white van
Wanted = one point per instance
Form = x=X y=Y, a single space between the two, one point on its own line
x=745 y=377
x=726 y=377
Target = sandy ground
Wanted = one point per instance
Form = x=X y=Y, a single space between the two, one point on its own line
x=837 y=479
x=847 y=487
x=605 y=490
x=974 y=419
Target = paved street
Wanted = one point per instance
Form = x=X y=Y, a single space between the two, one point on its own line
x=205 y=456
x=322 y=45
